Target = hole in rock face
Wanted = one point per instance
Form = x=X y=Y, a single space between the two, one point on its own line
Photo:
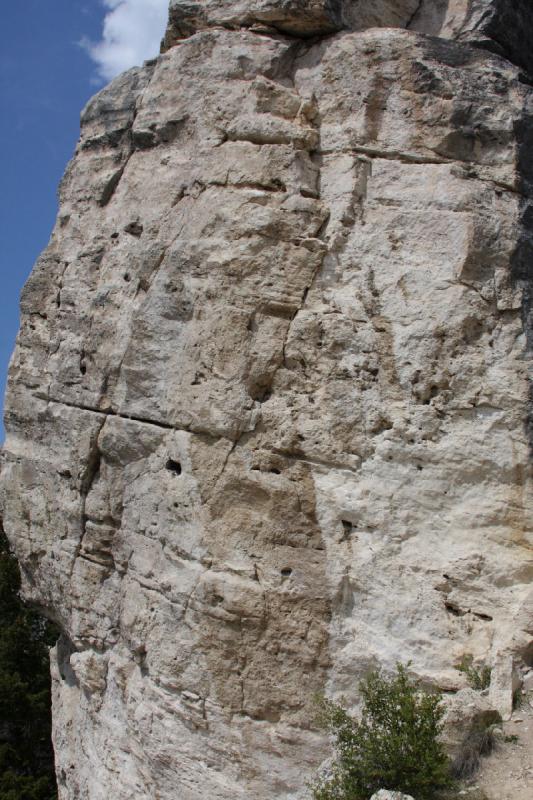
x=173 y=466
x=483 y=617
x=134 y=228
x=127 y=277
x=286 y=572
x=454 y=609
x=275 y=471
x=433 y=392
x=347 y=527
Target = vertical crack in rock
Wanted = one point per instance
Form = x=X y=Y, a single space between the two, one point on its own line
x=522 y=257
x=415 y=14
x=91 y=474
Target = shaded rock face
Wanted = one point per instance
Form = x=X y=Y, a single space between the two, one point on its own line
x=267 y=418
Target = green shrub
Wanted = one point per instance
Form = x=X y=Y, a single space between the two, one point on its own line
x=478 y=679
x=26 y=755
x=395 y=745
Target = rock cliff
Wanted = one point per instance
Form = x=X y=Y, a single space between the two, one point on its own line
x=268 y=418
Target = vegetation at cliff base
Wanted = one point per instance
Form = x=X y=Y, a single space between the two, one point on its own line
x=26 y=755
x=394 y=746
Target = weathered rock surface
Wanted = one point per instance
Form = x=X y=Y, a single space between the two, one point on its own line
x=501 y=26
x=385 y=794
x=267 y=419
x=508 y=773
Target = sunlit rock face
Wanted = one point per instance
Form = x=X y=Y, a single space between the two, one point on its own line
x=267 y=418
x=501 y=26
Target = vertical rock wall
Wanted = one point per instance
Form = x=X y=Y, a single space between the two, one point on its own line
x=267 y=418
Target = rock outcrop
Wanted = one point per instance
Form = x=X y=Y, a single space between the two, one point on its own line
x=268 y=415
x=384 y=794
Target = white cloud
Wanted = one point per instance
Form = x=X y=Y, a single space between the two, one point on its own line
x=132 y=32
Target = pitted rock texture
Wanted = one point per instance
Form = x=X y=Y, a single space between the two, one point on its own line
x=267 y=418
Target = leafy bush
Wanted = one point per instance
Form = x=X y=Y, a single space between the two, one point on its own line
x=26 y=755
x=395 y=745
x=478 y=679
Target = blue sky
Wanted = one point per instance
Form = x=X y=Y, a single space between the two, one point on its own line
x=54 y=55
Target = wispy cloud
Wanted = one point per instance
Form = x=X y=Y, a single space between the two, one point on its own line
x=132 y=32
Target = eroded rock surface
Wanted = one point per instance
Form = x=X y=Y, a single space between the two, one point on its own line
x=267 y=419
x=384 y=794
x=501 y=26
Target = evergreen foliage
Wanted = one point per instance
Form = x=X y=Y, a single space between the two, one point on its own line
x=478 y=679
x=26 y=754
x=395 y=745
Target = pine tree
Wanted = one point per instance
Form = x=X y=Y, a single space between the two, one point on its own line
x=26 y=754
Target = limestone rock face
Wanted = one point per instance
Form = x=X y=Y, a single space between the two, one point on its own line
x=267 y=418
x=384 y=794
x=502 y=26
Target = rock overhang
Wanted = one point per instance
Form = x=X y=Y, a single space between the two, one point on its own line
x=500 y=26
